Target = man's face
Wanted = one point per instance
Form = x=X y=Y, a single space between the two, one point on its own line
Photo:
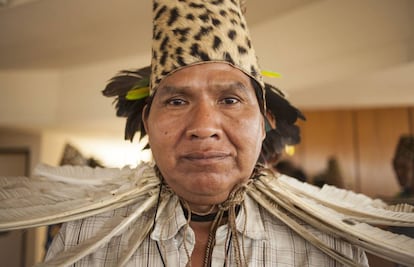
x=205 y=130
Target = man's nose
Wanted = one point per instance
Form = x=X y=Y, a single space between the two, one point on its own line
x=204 y=122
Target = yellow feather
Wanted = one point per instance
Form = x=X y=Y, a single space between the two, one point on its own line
x=138 y=93
x=271 y=74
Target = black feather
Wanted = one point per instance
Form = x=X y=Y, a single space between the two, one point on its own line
x=118 y=87
x=125 y=81
x=280 y=107
x=285 y=115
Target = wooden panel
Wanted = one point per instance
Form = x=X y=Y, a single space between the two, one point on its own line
x=374 y=261
x=326 y=134
x=378 y=133
x=411 y=119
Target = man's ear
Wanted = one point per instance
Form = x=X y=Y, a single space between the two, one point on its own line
x=269 y=122
x=263 y=126
x=144 y=117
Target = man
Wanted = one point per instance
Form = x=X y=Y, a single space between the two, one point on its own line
x=403 y=165
x=205 y=119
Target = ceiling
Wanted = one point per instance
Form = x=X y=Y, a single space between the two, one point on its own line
x=331 y=53
x=64 y=33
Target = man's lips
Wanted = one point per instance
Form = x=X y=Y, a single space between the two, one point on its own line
x=205 y=155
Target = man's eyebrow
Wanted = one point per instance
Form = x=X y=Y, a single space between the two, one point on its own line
x=239 y=86
x=170 y=89
x=223 y=86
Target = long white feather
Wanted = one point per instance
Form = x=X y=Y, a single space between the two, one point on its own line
x=81 y=175
x=139 y=235
x=357 y=206
x=29 y=202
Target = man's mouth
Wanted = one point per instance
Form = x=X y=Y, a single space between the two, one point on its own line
x=205 y=156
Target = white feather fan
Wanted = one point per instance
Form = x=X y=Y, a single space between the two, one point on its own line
x=67 y=193
x=60 y=194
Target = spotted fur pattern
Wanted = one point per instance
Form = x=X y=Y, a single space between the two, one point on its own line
x=188 y=32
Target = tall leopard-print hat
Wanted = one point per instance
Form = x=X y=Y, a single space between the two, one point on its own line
x=188 y=32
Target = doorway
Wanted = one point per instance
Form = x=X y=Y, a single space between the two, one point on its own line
x=14 y=162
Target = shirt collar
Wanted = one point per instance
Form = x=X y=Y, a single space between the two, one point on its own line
x=172 y=219
x=252 y=227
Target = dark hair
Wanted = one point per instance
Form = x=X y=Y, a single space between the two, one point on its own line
x=259 y=95
x=147 y=108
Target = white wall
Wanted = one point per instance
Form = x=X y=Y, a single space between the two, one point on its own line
x=28 y=97
x=68 y=106
x=110 y=150
x=87 y=119
x=85 y=83
x=342 y=53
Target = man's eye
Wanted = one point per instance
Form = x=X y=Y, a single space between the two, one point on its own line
x=230 y=100
x=176 y=102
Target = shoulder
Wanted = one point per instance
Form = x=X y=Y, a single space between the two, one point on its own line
x=286 y=242
x=283 y=242
x=90 y=226
x=74 y=233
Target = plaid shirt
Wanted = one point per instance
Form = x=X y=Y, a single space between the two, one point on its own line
x=267 y=240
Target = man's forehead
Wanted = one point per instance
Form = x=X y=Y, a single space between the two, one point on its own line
x=214 y=75
x=211 y=85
